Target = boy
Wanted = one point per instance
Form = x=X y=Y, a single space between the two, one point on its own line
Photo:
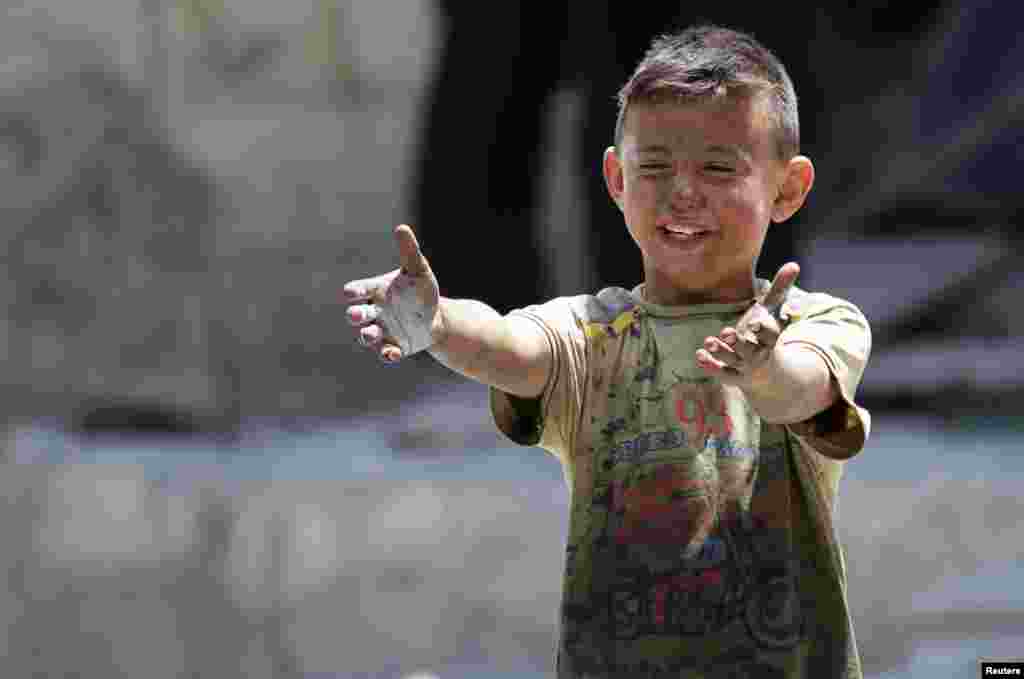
x=702 y=418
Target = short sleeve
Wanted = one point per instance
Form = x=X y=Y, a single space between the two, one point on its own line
x=550 y=421
x=839 y=333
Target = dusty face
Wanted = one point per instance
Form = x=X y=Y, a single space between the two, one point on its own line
x=698 y=185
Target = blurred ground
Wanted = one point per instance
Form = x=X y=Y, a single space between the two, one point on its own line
x=421 y=541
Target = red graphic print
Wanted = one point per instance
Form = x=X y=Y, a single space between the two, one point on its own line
x=667 y=508
x=700 y=408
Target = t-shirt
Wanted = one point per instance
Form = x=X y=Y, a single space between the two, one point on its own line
x=701 y=539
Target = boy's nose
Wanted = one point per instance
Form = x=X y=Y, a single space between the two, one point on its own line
x=683 y=187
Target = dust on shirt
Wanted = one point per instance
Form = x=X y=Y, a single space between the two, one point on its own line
x=701 y=539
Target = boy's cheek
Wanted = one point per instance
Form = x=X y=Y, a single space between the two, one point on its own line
x=635 y=213
x=753 y=216
x=643 y=191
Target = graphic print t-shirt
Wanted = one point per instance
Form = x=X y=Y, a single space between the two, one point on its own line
x=701 y=539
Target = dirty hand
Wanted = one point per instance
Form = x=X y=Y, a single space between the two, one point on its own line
x=740 y=355
x=397 y=312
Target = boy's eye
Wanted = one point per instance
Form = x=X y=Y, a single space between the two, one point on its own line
x=720 y=169
x=649 y=167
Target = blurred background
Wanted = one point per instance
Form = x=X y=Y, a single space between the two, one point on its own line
x=203 y=474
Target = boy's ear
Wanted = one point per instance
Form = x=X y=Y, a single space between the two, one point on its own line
x=613 y=175
x=796 y=184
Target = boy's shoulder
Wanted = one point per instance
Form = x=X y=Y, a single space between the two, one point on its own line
x=802 y=303
x=615 y=305
x=602 y=307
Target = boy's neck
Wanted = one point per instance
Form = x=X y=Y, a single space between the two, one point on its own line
x=677 y=296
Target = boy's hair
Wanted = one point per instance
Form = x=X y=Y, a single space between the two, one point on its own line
x=711 y=61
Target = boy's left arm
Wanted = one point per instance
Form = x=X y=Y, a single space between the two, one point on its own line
x=792 y=382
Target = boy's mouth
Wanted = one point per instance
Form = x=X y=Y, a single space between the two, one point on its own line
x=681 y=226
x=683 y=233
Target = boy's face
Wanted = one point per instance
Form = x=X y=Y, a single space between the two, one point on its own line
x=698 y=185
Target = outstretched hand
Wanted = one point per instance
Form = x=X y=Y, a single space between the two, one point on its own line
x=399 y=314
x=738 y=355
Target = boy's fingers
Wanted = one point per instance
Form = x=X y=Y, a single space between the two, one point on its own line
x=784 y=280
x=716 y=345
x=767 y=334
x=413 y=261
x=366 y=288
x=706 y=360
x=389 y=353
x=370 y=335
x=354 y=291
x=721 y=351
x=715 y=367
x=744 y=334
x=373 y=337
x=363 y=313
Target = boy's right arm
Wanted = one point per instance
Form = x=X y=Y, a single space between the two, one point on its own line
x=506 y=352
x=402 y=312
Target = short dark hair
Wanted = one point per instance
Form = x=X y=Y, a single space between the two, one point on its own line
x=709 y=61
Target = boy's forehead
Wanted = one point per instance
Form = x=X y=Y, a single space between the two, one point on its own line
x=738 y=121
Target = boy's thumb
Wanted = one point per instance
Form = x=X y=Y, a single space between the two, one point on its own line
x=412 y=260
x=784 y=280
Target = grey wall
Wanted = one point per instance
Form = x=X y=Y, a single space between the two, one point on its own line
x=184 y=195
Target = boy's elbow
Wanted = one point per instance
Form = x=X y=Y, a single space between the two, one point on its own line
x=814 y=390
x=816 y=401
x=529 y=356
